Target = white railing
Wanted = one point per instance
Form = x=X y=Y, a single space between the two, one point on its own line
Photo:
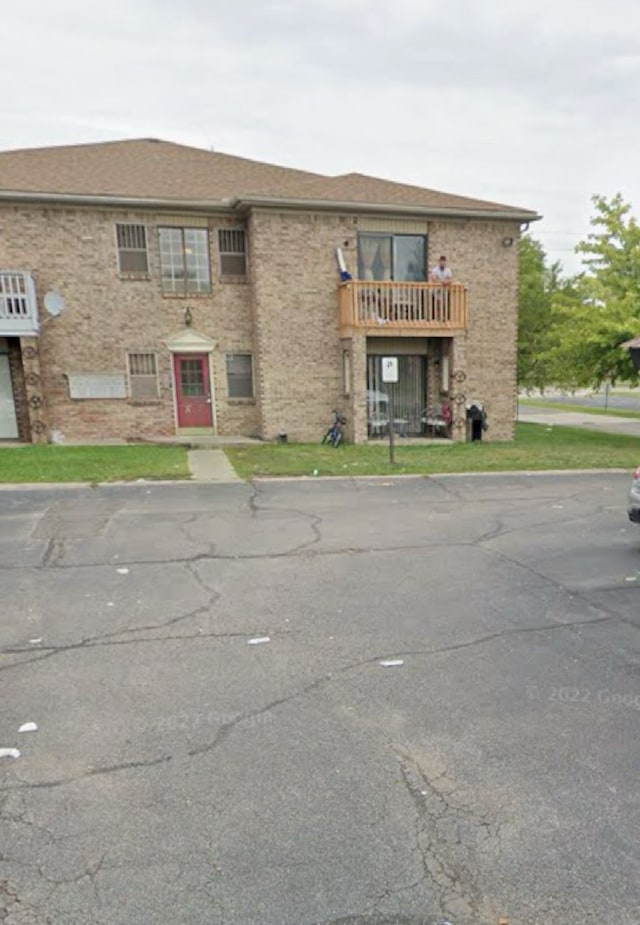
x=18 y=306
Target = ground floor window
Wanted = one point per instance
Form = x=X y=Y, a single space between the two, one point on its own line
x=409 y=396
x=239 y=375
x=143 y=376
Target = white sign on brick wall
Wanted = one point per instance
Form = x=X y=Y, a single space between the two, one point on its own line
x=84 y=385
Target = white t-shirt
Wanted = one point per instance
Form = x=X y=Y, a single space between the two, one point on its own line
x=441 y=273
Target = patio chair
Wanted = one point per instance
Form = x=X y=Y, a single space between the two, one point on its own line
x=378 y=423
x=435 y=421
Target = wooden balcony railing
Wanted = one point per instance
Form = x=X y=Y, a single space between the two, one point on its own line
x=18 y=308
x=414 y=309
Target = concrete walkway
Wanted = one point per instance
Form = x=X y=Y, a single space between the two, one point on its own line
x=607 y=423
x=211 y=466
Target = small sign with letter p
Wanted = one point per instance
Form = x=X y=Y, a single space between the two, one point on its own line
x=389 y=369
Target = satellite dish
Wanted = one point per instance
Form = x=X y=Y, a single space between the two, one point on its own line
x=54 y=303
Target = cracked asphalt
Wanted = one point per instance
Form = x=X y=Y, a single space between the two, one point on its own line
x=181 y=775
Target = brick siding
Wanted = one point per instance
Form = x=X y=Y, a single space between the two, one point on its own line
x=285 y=314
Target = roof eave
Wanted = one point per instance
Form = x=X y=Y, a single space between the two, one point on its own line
x=516 y=215
x=108 y=200
x=246 y=203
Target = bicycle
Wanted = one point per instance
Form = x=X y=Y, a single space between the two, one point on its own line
x=334 y=435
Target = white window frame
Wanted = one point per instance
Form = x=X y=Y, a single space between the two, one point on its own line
x=132 y=377
x=128 y=228
x=231 y=231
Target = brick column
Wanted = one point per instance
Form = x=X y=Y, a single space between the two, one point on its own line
x=457 y=388
x=33 y=388
x=359 y=387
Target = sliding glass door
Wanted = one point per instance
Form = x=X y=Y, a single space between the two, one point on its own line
x=400 y=257
x=409 y=393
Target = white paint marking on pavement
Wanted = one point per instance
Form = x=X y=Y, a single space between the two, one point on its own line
x=28 y=727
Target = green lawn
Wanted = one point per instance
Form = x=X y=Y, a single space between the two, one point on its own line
x=535 y=447
x=92 y=463
x=561 y=406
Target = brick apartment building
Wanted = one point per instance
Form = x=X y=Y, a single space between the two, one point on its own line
x=149 y=289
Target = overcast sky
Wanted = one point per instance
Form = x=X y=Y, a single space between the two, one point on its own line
x=535 y=103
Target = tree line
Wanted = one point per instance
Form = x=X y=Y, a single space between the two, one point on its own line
x=571 y=328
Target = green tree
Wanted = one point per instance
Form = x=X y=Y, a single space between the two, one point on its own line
x=603 y=309
x=538 y=285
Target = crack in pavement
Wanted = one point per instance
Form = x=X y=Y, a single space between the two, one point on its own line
x=105 y=639
x=446 y=839
x=50 y=651
x=227 y=728
x=302 y=549
x=92 y=772
x=53 y=553
x=573 y=593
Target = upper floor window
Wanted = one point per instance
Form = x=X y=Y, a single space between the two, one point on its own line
x=131 y=241
x=184 y=260
x=400 y=257
x=233 y=253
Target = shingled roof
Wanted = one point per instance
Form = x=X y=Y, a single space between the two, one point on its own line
x=159 y=171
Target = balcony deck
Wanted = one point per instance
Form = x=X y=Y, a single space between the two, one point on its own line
x=384 y=309
x=18 y=306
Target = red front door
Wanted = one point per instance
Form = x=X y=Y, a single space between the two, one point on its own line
x=193 y=390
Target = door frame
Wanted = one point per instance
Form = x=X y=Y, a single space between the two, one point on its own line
x=187 y=342
x=414 y=416
x=4 y=353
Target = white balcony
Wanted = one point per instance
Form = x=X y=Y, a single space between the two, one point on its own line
x=18 y=306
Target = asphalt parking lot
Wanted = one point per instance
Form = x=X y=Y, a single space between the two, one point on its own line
x=218 y=740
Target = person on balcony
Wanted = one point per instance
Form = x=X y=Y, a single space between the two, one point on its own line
x=441 y=274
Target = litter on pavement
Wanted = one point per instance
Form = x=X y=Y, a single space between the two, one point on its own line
x=258 y=640
x=391 y=662
x=9 y=753
x=28 y=727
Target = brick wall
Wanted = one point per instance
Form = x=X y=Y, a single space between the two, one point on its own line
x=478 y=258
x=295 y=310
x=285 y=313
x=73 y=251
